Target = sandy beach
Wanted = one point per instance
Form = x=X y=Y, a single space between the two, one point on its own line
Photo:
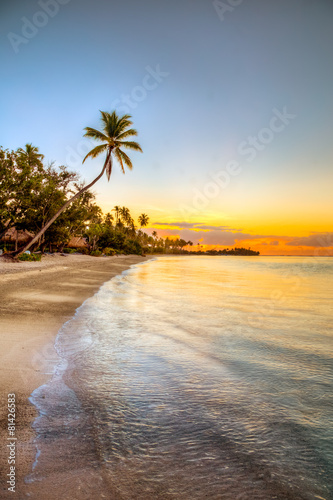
x=36 y=299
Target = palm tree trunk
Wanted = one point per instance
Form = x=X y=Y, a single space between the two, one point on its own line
x=68 y=202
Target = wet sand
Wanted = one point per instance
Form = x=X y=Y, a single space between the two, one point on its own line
x=36 y=299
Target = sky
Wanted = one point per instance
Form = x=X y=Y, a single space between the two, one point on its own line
x=232 y=101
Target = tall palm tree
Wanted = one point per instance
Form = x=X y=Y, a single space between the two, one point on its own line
x=113 y=136
x=143 y=220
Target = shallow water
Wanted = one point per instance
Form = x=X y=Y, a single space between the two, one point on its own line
x=196 y=377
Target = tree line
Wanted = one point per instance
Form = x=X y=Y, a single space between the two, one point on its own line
x=32 y=193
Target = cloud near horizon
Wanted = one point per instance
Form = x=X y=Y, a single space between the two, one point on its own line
x=211 y=237
x=225 y=236
x=314 y=240
x=196 y=225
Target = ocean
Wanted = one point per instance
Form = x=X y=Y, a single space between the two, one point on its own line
x=195 y=377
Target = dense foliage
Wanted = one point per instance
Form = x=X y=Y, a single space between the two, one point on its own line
x=31 y=193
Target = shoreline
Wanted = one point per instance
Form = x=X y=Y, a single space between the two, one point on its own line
x=36 y=299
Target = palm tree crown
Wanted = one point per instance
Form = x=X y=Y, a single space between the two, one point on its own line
x=115 y=130
x=143 y=220
x=31 y=155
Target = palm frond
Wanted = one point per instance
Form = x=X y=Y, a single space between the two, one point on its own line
x=130 y=145
x=126 y=159
x=95 y=151
x=117 y=155
x=127 y=133
x=107 y=123
x=95 y=134
x=122 y=124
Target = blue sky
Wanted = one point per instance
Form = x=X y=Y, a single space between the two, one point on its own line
x=221 y=81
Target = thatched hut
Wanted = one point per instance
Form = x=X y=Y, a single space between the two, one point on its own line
x=77 y=242
x=17 y=238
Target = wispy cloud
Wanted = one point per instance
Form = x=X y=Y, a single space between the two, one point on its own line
x=195 y=226
x=214 y=228
x=175 y=224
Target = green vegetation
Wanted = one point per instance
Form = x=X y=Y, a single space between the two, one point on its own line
x=31 y=194
x=30 y=257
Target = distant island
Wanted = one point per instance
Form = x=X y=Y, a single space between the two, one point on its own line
x=226 y=251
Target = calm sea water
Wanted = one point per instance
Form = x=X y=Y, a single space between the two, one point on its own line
x=196 y=378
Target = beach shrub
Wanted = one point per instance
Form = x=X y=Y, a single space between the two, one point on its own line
x=110 y=251
x=111 y=238
x=30 y=257
x=133 y=247
x=69 y=250
x=96 y=253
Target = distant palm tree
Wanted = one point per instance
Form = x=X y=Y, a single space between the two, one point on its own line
x=108 y=219
x=31 y=156
x=125 y=215
x=132 y=227
x=143 y=220
x=115 y=130
x=116 y=209
x=154 y=239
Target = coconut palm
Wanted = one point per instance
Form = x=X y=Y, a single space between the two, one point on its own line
x=125 y=215
x=31 y=156
x=132 y=227
x=117 y=210
x=143 y=220
x=113 y=136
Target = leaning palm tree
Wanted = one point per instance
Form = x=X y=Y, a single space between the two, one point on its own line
x=113 y=136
